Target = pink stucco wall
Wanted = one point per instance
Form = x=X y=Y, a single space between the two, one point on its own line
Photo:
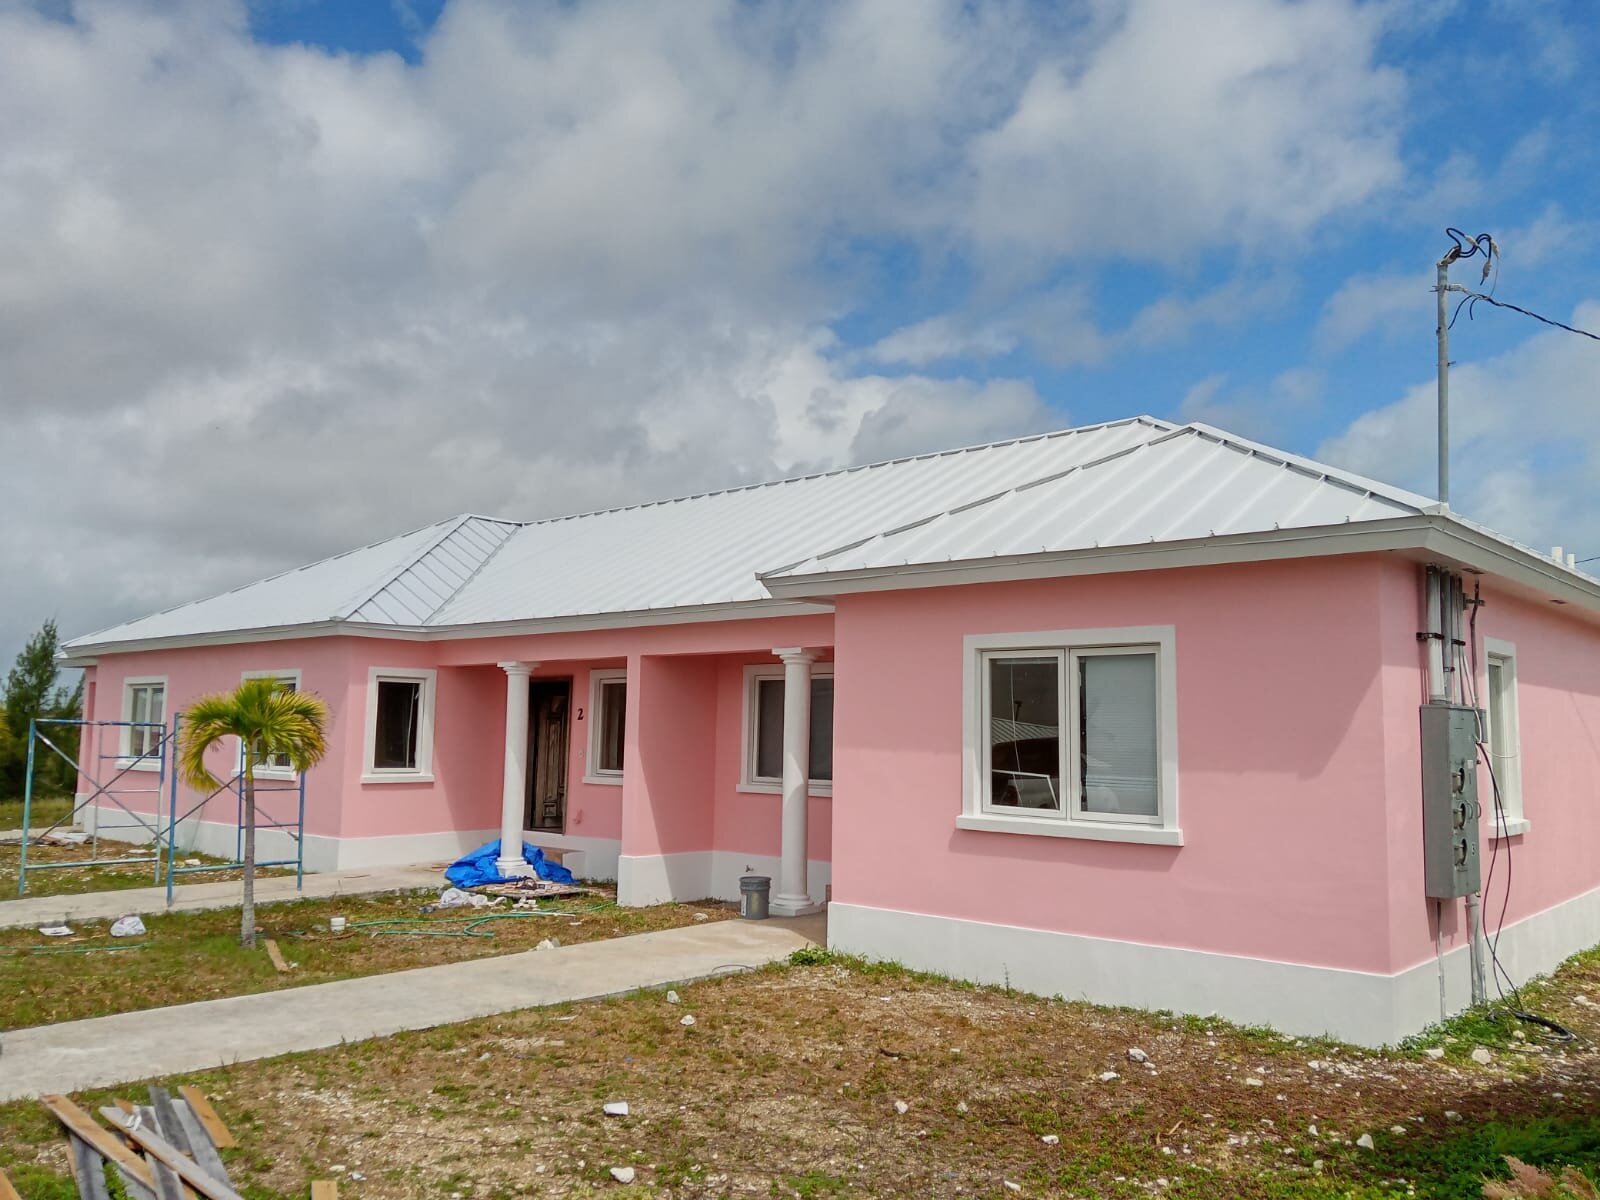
x=1281 y=751
x=1558 y=699
x=681 y=676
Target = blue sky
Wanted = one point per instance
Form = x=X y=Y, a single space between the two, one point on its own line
x=1498 y=113
x=290 y=276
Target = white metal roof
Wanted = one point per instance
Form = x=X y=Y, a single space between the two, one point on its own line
x=1176 y=485
x=399 y=581
x=1126 y=483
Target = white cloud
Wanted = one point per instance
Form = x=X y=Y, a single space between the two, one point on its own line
x=1266 y=414
x=260 y=303
x=1525 y=439
x=943 y=337
x=1365 y=304
x=1235 y=122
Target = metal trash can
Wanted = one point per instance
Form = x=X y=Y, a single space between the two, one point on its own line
x=753 y=893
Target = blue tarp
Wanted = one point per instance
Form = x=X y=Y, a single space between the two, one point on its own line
x=478 y=868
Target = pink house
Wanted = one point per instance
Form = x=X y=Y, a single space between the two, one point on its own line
x=1127 y=713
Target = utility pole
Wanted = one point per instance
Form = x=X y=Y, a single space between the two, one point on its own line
x=1444 y=384
x=1464 y=247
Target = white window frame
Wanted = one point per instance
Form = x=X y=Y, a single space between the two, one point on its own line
x=749 y=781
x=266 y=770
x=423 y=771
x=1069 y=646
x=598 y=680
x=126 y=759
x=1508 y=767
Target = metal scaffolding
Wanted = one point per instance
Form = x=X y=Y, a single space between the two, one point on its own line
x=121 y=776
x=105 y=775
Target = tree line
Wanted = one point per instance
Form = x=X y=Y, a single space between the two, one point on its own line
x=33 y=689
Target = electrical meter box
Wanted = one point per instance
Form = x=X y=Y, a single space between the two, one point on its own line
x=1450 y=808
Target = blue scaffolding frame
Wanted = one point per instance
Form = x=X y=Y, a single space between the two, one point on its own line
x=123 y=763
x=295 y=829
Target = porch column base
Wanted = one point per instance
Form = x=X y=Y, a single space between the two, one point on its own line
x=794 y=906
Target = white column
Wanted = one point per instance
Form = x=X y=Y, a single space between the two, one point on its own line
x=514 y=799
x=792 y=899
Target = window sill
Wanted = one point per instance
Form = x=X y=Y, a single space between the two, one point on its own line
x=815 y=791
x=138 y=764
x=1509 y=829
x=611 y=780
x=413 y=777
x=1149 y=835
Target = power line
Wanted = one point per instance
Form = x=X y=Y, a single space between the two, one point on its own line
x=1469 y=301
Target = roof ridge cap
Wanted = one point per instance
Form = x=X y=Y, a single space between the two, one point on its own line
x=1336 y=475
x=368 y=592
x=1159 y=423
x=1163 y=434
x=172 y=608
x=476 y=571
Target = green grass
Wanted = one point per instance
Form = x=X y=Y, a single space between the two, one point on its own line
x=46 y=811
x=99 y=876
x=1454 y=1164
x=197 y=956
x=1492 y=1025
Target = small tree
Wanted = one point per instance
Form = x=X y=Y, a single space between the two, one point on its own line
x=268 y=719
x=31 y=692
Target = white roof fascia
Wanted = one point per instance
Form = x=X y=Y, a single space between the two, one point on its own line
x=743 y=610
x=1435 y=533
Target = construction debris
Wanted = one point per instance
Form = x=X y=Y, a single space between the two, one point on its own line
x=164 y=1150
x=276 y=956
x=128 y=925
x=532 y=889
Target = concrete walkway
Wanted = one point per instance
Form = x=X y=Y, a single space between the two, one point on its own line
x=199 y=897
x=195 y=1037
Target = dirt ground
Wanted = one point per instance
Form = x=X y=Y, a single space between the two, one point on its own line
x=843 y=1079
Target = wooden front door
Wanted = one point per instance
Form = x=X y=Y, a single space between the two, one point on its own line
x=548 y=709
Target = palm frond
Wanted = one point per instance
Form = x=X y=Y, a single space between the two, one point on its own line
x=265 y=716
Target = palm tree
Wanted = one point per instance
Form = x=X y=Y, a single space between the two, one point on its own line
x=269 y=719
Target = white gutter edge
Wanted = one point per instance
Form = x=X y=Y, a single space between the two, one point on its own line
x=85 y=655
x=1431 y=533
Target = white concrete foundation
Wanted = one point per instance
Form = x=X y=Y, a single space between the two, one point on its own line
x=1365 y=1008
x=703 y=875
x=587 y=858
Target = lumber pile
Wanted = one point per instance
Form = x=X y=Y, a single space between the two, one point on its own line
x=164 y=1150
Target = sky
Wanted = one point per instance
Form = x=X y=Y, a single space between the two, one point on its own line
x=282 y=278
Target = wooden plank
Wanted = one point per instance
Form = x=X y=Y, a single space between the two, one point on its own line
x=90 y=1173
x=108 y=1147
x=164 y=1119
x=7 y=1192
x=220 y=1137
x=201 y=1149
x=134 y=1189
x=324 y=1189
x=157 y=1147
x=168 y=1185
x=276 y=956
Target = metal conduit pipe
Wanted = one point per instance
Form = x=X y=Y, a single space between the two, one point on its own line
x=1444 y=600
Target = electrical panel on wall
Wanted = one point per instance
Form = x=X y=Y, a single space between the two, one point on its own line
x=1450 y=808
